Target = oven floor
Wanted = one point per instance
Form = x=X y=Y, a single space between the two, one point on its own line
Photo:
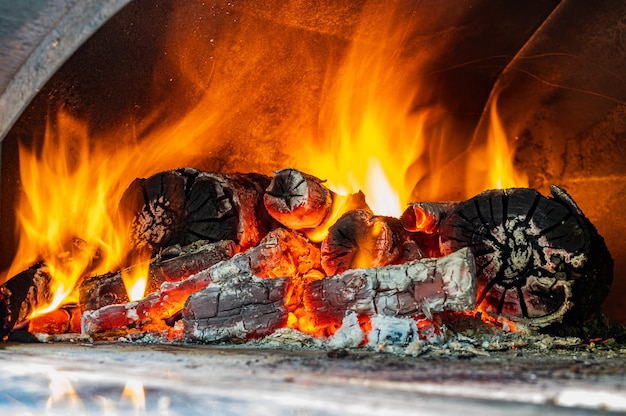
x=227 y=380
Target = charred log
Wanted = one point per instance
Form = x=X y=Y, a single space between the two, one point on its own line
x=539 y=260
x=425 y=219
x=21 y=295
x=186 y=205
x=297 y=200
x=302 y=202
x=172 y=265
x=240 y=308
x=361 y=239
x=417 y=288
x=280 y=253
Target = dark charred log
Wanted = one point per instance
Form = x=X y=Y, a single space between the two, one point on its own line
x=173 y=265
x=417 y=288
x=361 y=239
x=539 y=260
x=240 y=308
x=186 y=205
x=21 y=295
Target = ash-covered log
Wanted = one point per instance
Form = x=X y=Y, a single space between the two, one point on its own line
x=361 y=239
x=301 y=201
x=186 y=205
x=417 y=288
x=539 y=260
x=280 y=253
x=173 y=264
x=242 y=307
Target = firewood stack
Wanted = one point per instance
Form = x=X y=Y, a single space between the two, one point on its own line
x=233 y=257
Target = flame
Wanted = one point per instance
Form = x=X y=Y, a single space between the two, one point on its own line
x=135 y=394
x=369 y=135
x=62 y=392
x=136 y=280
x=498 y=172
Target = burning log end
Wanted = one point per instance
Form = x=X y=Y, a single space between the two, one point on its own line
x=297 y=200
x=361 y=239
x=539 y=260
x=425 y=217
x=21 y=295
x=186 y=205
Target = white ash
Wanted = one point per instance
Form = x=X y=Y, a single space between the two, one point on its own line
x=349 y=335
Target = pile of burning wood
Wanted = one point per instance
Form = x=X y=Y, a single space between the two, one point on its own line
x=237 y=256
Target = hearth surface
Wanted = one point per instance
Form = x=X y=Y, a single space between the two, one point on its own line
x=233 y=380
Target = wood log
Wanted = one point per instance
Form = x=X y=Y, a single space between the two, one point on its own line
x=239 y=308
x=539 y=260
x=173 y=264
x=302 y=202
x=297 y=200
x=21 y=295
x=280 y=253
x=426 y=217
x=63 y=320
x=186 y=205
x=418 y=288
x=361 y=239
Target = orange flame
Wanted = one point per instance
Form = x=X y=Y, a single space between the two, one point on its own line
x=369 y=134
x=493 y=166
x=135 y=394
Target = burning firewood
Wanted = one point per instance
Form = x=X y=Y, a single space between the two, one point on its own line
x=302 y=202
x=425 y=218
x=172 y=265
x=280 y=253
x=539 y=260
x=186 y=205
x=417 y=288
x=242 y=307
x=21 y=295
x=361 y=239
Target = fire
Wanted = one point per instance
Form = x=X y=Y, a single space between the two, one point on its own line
x=136 y=280
x=499 y=172
x=135 y=394
x=373 y=127
x=369 y=135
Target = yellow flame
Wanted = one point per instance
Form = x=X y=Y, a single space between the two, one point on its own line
x=62 y=392
x=369 y=135
x=135 y=394
x=493 y=166
x=135 y=285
